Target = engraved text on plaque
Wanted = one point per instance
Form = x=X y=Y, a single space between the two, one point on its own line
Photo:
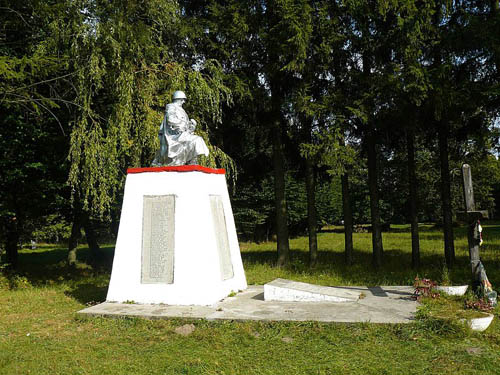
x=158 y=227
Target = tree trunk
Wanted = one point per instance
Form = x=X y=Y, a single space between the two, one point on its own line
x=12 y=241
x=413 y=203
x=311 y=212
x=347 y=211
x=310 y=177
x=280 y=198
x=91 y=236
x=75 y=237
x=372 y=165
x=449 y=248
x=443 y=132
x=374 y=204
x=346 y=207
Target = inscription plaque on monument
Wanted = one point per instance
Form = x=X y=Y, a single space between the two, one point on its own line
x=158 y=239
x=220 y=229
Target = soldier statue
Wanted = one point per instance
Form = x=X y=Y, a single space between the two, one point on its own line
x=178 y=143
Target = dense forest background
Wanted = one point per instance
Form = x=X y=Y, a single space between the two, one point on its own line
x=340 y=112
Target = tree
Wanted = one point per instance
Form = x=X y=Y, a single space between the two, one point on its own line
x=126 y=72
x=367 y=42
x=33 y=82
x=266 y=44
x=461 y=101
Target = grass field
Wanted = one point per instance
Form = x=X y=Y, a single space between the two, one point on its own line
x=41 y=334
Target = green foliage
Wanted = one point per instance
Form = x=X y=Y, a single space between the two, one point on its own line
x=253 y=207
x=330 y=151
x=33 y=65
x=31 y=177
x=290 y=33
x=125 y=70
x=51 y=229
x=329 y=202
x=218 y=159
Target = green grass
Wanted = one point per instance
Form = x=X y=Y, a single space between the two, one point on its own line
x=397 y=258
x=450 y=307
x=41 y=334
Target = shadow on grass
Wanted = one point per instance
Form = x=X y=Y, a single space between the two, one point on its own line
x=399 y=228
x=88 y=293
x=47 y=264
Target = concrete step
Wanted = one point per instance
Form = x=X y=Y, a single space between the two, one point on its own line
x=295 y=291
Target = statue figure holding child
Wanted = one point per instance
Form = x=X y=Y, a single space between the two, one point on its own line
x=178 y=143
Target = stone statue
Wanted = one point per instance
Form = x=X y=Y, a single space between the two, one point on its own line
x=178 y=143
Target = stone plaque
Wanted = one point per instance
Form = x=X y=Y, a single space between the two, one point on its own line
x=158 y=218
x=219 y=219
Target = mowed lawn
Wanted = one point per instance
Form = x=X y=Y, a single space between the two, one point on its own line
x=41 y=334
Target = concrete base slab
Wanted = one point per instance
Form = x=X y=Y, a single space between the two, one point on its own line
x=294 y=291
x=386 y=304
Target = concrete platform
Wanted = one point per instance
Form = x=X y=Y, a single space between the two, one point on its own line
x=386 y=304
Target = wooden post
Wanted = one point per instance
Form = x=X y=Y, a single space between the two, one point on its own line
x=472 y=217
x=468 y=189
x=471 y=221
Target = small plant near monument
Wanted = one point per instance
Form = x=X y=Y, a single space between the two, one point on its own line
x=13 y=281
x=424 y=288
x=445 y=276
x=472 y=302
x=4 y=282
x=449 y=308
x=446 y=286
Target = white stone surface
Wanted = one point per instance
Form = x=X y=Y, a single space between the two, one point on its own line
x=458 y=290
x=197 y=273
x=294 y=291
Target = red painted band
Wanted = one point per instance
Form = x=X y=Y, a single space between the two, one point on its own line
x=180 y=168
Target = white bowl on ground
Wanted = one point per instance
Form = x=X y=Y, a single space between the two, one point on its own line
x=458 y=290
x=480 y=324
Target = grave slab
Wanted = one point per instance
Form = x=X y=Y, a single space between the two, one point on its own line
x=294 y=291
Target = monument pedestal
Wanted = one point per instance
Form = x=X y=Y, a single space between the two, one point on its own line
x=177 y=240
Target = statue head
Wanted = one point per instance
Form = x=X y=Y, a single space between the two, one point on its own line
x=179 y=97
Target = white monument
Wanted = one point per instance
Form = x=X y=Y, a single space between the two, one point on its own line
x=177 y=240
